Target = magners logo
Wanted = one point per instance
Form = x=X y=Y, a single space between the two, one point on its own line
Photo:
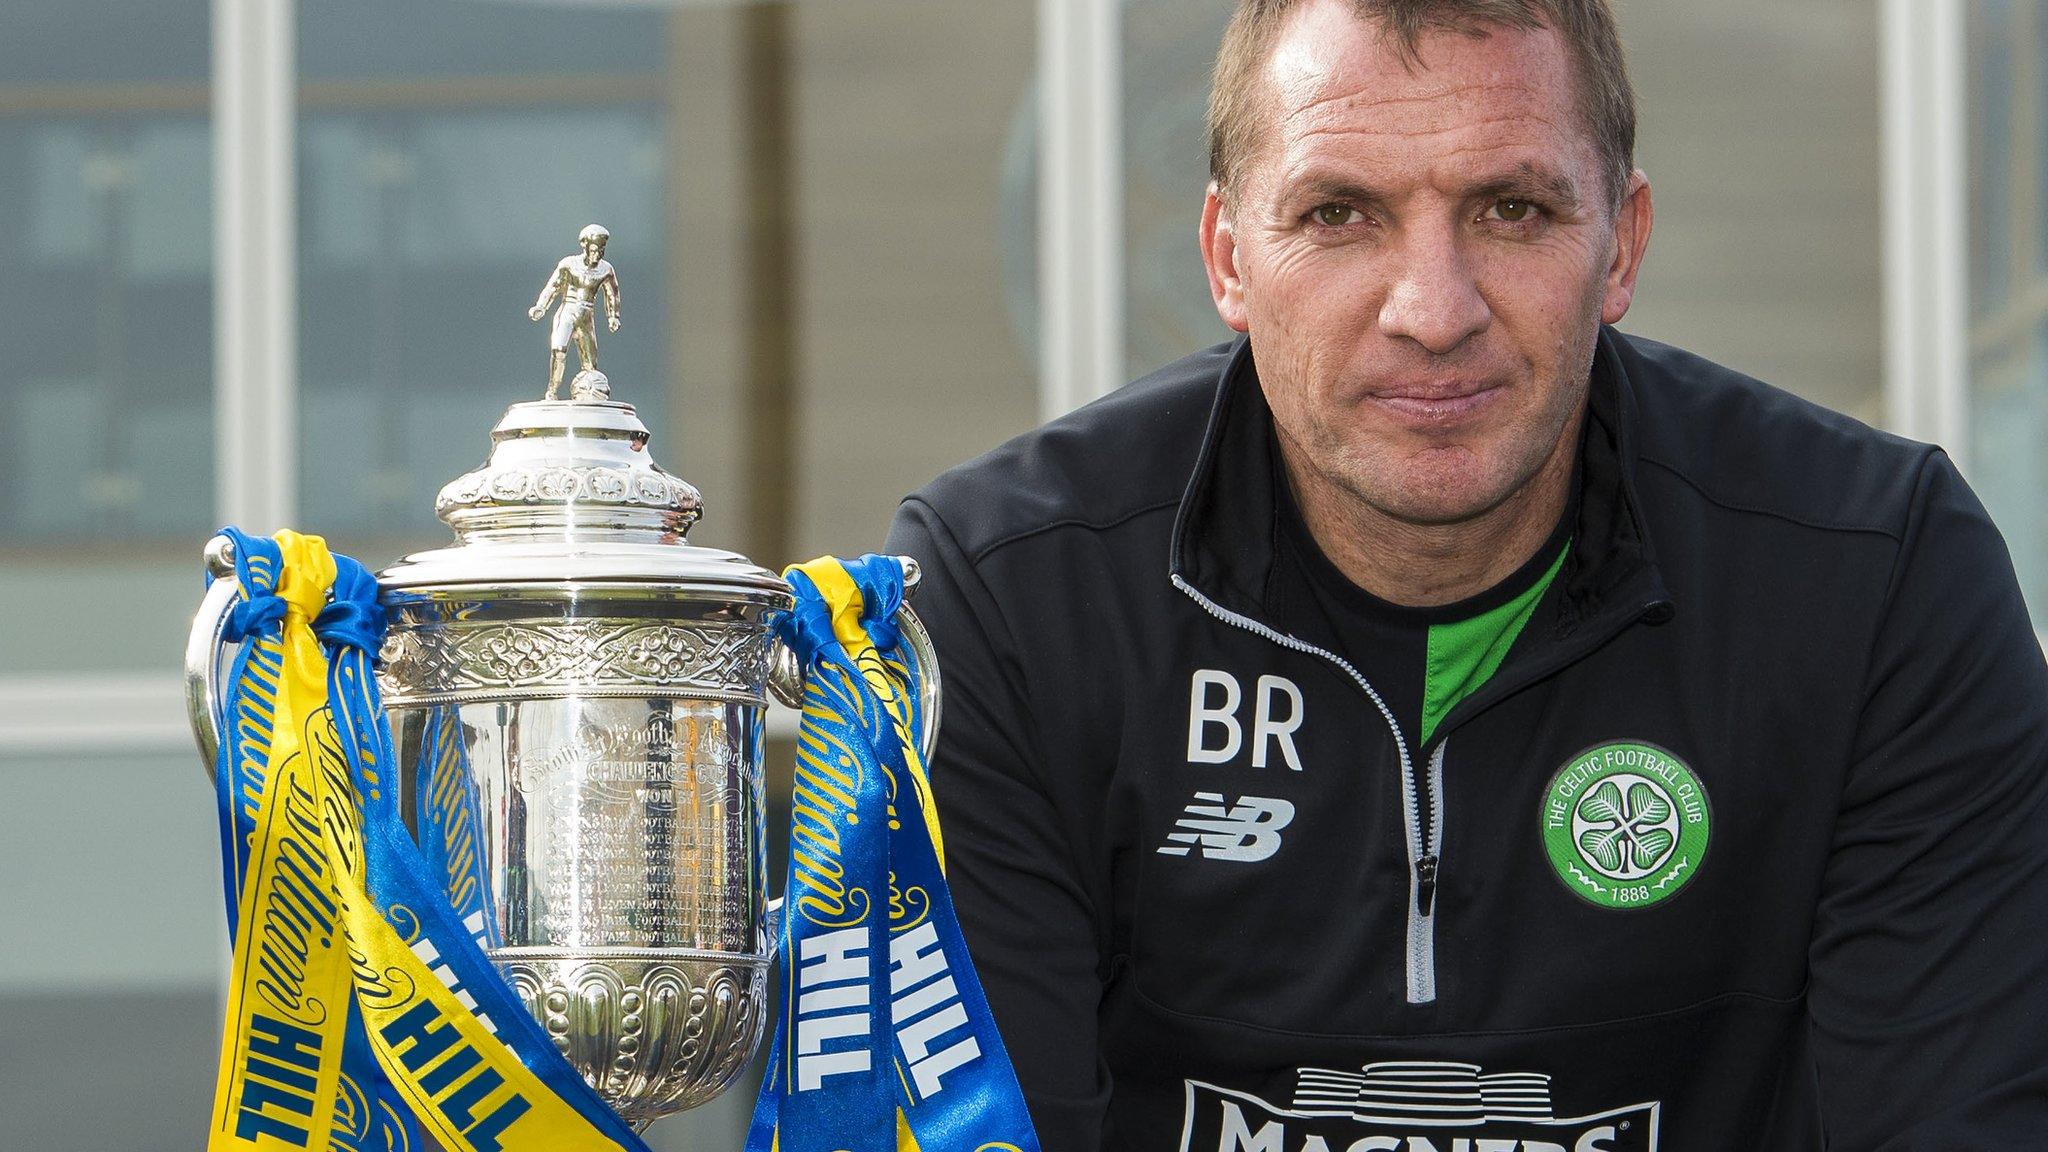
x=1410 y=1106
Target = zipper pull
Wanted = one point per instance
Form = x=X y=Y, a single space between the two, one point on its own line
x=1425 y=885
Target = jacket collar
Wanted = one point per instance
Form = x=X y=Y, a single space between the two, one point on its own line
x=1225 y=532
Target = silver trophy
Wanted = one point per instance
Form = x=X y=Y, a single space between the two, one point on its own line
x=593 y=688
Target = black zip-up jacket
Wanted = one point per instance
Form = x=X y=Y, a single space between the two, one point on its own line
x=1744 y=846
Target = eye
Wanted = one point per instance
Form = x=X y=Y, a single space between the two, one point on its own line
x=1335 y=215
x=1513 y=211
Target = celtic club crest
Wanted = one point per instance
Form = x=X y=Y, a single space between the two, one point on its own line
x=1625 y=824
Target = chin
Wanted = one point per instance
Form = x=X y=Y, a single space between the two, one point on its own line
x=1433 y=496
x=1435 y=508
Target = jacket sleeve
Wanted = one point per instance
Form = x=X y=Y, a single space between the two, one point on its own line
x=1010 y=857
x=1929 y=961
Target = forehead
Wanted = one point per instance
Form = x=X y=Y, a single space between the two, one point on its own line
x=1334 y=85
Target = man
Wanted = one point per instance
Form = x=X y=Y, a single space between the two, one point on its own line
x=1439 y=721
x=578 y=280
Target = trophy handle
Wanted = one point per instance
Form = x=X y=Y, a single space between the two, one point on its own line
x=786 y=676
x=203 y=653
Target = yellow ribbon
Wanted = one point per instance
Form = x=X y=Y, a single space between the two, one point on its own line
x=311 y=934
x=287 y=1011
x=840 y=592
x=844 y=598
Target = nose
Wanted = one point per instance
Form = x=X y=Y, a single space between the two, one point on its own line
x=1433 y=299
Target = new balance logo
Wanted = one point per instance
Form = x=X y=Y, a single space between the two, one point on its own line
x=1248 y=830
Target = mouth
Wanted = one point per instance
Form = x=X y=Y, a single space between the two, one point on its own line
x=1436 y=404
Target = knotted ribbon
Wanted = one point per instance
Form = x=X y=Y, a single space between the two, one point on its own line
x=361 y=1009
x=884 y=1041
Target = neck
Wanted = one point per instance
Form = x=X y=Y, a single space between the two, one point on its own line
x=1426 y=565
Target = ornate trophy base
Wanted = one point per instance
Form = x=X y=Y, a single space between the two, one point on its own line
x=669 y=1028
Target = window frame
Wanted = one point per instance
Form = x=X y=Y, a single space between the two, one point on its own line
x=1925 y=236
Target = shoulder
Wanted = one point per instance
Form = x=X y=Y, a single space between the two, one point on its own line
x=1746 y=446
x=604 y=269
x=568 y=263
x=1097 y=467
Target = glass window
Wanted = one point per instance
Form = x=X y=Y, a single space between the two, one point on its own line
x=2033 y=46
x=105 y=206
x=1991 y=108
x=1169 y=49
x=2008 y=391
x=806 y=209
x=449 y=153
x=1760 y=136
x=906 y=357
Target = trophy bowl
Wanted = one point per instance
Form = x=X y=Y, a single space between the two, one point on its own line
x=577 y=701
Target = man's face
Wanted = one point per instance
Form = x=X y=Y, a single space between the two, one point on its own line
x=593 y=250
x=1423 y=259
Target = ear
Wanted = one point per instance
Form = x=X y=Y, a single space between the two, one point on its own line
x=1631 y=239
x=1219 y=256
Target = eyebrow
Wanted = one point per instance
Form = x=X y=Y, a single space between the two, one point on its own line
x=1533 y=180
x=1326 y=188
x=1527 y=179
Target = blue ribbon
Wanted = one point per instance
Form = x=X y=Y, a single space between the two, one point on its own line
x=405 y=887
x=900 y=1022
x=370 y=1114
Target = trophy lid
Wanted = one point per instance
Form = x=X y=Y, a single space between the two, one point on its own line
x=569 y=495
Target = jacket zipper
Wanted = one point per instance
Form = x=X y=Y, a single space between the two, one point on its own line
x=1422 y=913
x=1421 y=807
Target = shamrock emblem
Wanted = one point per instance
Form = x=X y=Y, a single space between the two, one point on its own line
x=1626 y=826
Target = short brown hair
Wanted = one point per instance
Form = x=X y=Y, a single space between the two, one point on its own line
x=1604 y=96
